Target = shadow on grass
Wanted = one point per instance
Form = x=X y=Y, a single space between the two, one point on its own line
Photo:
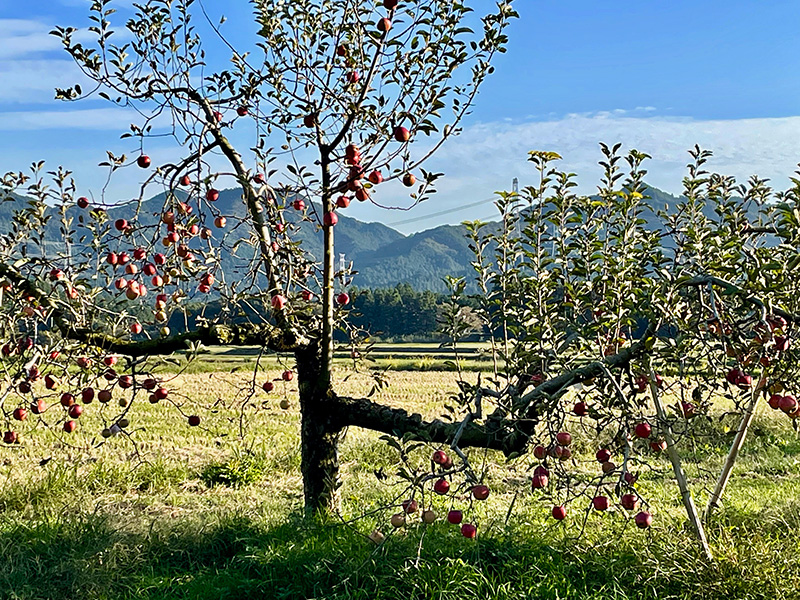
x=87 y=558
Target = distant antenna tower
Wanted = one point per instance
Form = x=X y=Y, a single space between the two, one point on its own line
x=342 y=267
x=515 y=186
x=515 y=191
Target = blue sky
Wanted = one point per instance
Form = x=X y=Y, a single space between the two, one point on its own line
x=655 y=75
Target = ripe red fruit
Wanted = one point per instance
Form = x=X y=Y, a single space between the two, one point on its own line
x=67 y=399
x=343 y=299
x=564 y=438
x=342 y=202
x=299 y=204
x=580 y=409
x=268 y=386
x=185 y=181
x=410 y=506
x=468 y=530
x=20 y=414
x=194 y=420
x=83 y=202
x=600 y=502
x=540 y=478
x=278 y=302
x=390 y=4
x=629 y=501
x=788 y=404
x=401 y=134
x=24 y=387
x=143 y=161
x=455 y=517
x=306 y=295
x=9 y=437
x=120 y=224
x=353 y=77
x=608 y=467
x=125 y=382
x=643 y=520
x=384 y=25
x=136 y=328
x=441 y=487
x=161 y=393
x=540 y=452
x=341 y=50
x=375 y=177
x=439 y=457
x=69 y=426
x=287 y=375
x=149 y=269
x=781 y=344
x=242 y=111
x=220 y=222
x=212 y=195
x=643 y=430
x=559 y=512
x=362 y=194
x=309 y=120
x=75 y=411
x=104 y=396
x=87 y=395
x=110 y=360
x=112 y=258
x=480 y=492
x=38 y=407
x=218 y=116
x=330 y=219
x=603 y=455
x=409 y=179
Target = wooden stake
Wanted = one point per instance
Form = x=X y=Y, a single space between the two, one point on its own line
x=727 y=469
x=686 y=494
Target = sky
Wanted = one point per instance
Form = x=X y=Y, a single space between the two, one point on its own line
x=657 y=76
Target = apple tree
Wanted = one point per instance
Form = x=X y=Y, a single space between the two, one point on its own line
x=340 y=99
x=634 y=321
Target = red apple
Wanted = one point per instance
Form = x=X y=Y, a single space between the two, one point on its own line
x=643 y=520
x=75 y=411
x=120 y=224
x=564 y=438
x=468 y=530
x=299 y=204
x=384 y=25
x=603 y=455
x=194 y=420
x=10 y=437
x=390 y=4
x=69 y=426
x=125 y=382
x=104 y=396
x=278 y=302
x=287 y=375
x=38 y=407
x=20 y=414
x=242 y=111
x=540 y=452
x=136 y=328
x=600 y=502
x=629 y=501
x=455 y=517
x=401 y=134
x=220 y=222
x=143 y=161
x=342 y=202
x=559 y=512
x=343 y=299
x=409 y=179
x=439 y=457
x=330 y=219
x=268 y=386
x=788 y=404
x=375 y=177
x=480 y=492
x=353 y=77
x=87 y=395
x=643 y=430
x=441 y=487
x=580 y=409
x=410 y=506
x=83 y=202
x=212 y=195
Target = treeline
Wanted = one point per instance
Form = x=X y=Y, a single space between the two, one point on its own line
x=400 y=312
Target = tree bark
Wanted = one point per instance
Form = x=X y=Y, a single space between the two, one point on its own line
x=320 y=433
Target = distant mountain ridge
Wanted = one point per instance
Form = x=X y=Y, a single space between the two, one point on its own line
x=382 y=256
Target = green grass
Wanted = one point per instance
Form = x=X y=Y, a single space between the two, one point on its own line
x=200 y=513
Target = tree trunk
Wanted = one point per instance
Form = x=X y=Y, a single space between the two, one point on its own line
x=320 y=433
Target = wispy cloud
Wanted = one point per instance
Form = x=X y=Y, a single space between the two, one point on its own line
x=86 y=119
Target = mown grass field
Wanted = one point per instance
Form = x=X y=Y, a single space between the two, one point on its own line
x=208 y=513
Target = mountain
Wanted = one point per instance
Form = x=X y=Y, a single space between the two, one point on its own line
x=382 y=256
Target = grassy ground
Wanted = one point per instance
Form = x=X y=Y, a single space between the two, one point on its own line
x=204 y=513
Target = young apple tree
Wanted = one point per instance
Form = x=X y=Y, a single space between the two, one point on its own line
x=636 y=321
x=339 y=100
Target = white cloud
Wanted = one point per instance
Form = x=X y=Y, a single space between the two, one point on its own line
x=113 y=119
x=487 y=156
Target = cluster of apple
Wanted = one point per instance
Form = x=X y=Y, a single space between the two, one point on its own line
x=68 y=394
x=560 y=450
x=441 y=487
x=268 y=386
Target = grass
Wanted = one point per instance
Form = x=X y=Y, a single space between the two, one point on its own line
x=204 y=513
